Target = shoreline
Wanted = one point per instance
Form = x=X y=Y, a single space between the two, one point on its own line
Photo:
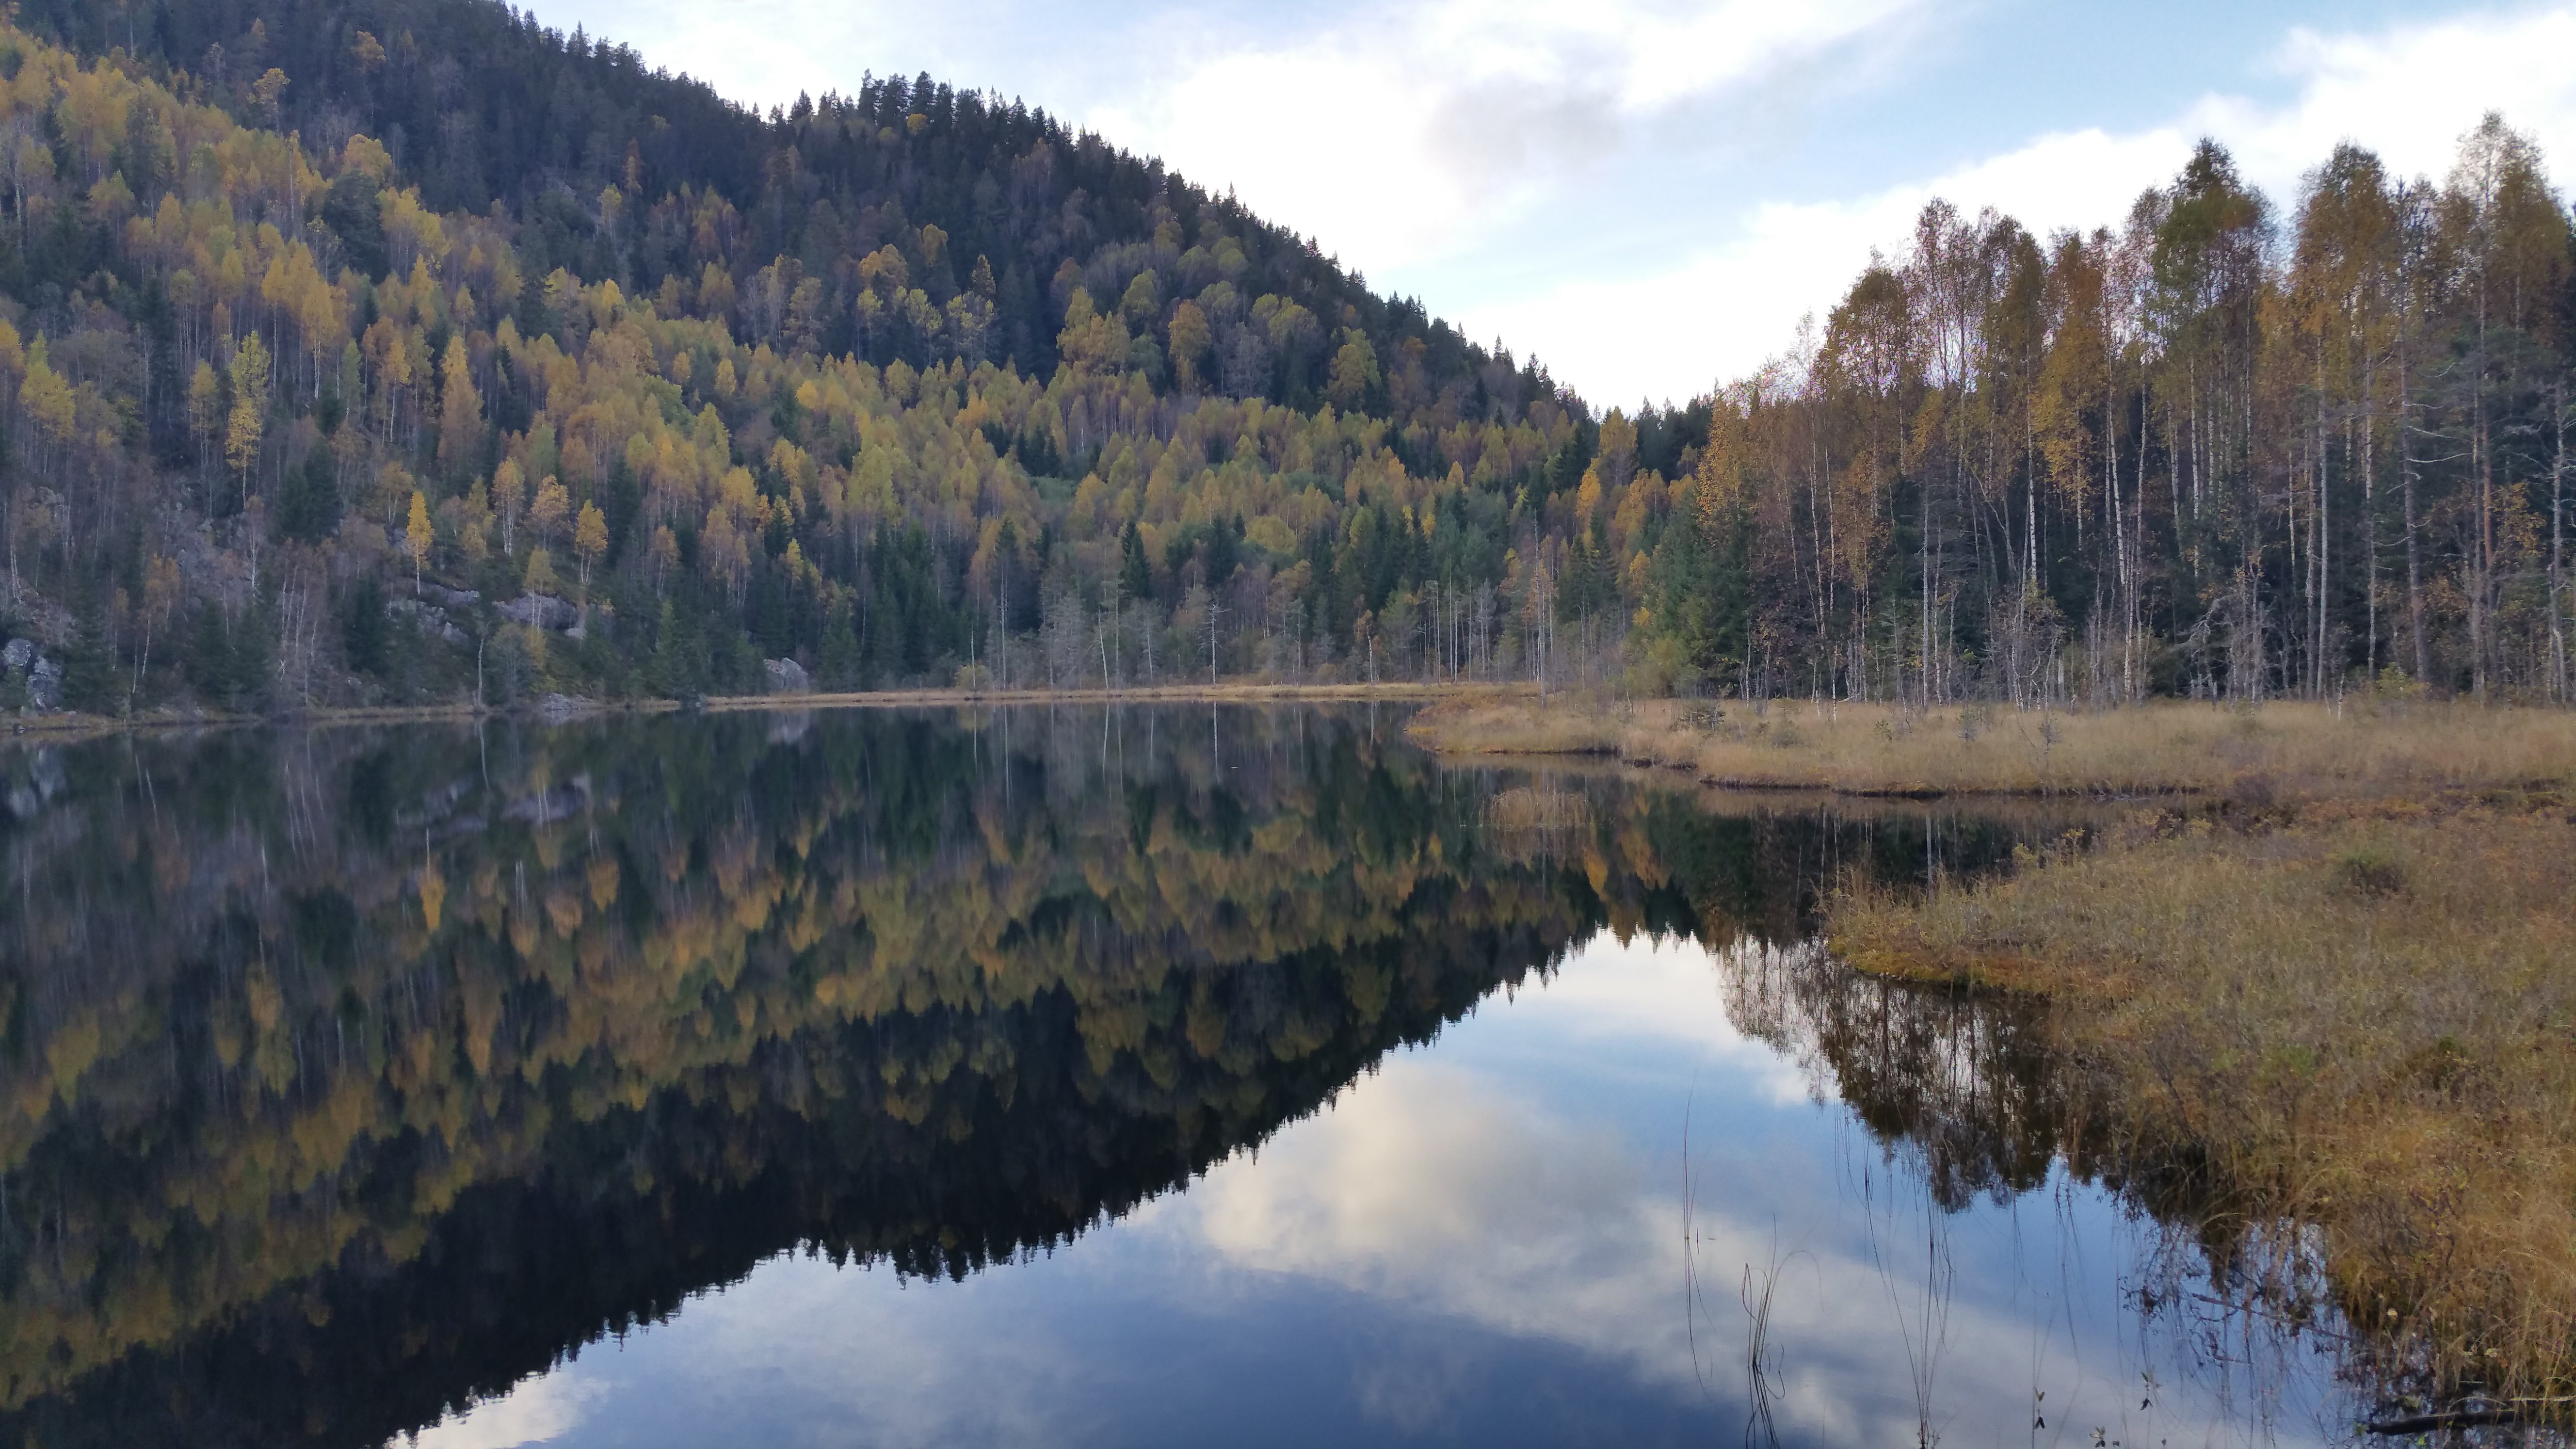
x=2266 y=757
x=58 y=728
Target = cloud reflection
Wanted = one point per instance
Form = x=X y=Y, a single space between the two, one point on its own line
x=1512 y=1191
x=1456 y=1190
x=539 y=1410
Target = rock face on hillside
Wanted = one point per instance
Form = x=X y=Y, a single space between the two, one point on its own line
x=543 y=610
x=786 y=676
x=26 y=669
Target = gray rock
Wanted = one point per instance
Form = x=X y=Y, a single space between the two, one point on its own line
x=557 y=708
x=45 y=685
x=430 y=619
x=452 y=598
x=786 y=676
x=19 y=654
x=543 y=610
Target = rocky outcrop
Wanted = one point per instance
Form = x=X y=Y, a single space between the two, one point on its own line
x=543 y=610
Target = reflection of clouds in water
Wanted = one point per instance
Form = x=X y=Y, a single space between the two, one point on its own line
x=1459 y=1191
x=1664 y=989
x=1432 y=1183
x=856 y=1360
x=539 y=1409
x=1522 y=1179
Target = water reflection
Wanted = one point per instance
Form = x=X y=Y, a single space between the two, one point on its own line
x=349 y=1079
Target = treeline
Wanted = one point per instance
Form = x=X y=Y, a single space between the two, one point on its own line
x=2202 y=453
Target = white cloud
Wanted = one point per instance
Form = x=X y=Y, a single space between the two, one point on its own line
x=1400 y=135
x=2409 y=92
x=1669 y=334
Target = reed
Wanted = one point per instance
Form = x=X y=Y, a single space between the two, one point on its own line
x=2360 y=1015
x=2284 y=751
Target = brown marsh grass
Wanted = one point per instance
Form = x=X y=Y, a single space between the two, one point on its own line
x=2274 y=751
x=2362 y=1017
x=2343 y=995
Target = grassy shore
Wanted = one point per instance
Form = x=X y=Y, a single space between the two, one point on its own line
x=2274 y=752
x=2329 y=977
x=2360 y=1015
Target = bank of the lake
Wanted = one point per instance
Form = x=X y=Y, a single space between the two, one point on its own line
x=61 y=726
x=2330 y=974
x=2261 y=755
x=2356 y=1016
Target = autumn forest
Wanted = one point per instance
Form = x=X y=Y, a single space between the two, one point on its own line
x=406 y=352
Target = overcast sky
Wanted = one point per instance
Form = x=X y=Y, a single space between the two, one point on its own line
x=1648 y=194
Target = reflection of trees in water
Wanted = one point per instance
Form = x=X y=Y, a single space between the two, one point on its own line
x=352 y=1075
x=1962 y=1084
x=1965 y=1093
x=347 y=1075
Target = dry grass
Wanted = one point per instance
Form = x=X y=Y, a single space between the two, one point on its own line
x=2284 y=751
x=1542 y=808
x=2363 y=1019
x=2350 y=1004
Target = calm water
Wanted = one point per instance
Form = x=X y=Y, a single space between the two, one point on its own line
x=1176 y=1077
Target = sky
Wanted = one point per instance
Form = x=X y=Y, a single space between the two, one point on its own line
x=1649 y=195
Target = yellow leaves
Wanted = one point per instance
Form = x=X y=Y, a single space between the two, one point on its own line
x=1354 y=371
x=416 y=541
x=590 y=535
x=460 y=409
x=92 y=113
x=1587 y=499
x=268 y=90
x=721 y=548
x=250 y=377
x=47 y=398
x=1091 y=342
x=509 y=490
x=432 y=884
x=368 y=52
x=563 y=912
x=110 y=200
x=621 y=350
x=415 y=237
x=790 y=461
x=205 y=403
x=552 y=507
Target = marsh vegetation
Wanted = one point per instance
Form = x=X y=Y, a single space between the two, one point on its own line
x=2321 y=960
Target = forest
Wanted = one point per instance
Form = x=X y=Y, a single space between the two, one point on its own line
x=408 y=352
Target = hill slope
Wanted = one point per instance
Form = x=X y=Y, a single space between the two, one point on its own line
x=406 y=351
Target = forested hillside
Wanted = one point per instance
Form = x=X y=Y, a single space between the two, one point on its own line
x=405 y=351
x=409 y=351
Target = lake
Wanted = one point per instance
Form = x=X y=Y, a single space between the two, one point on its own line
x=1089 y=1077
